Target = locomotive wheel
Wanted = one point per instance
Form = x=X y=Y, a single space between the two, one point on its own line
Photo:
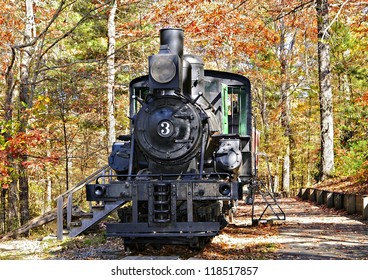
x=200 y=243
x=131 y=245
x=157 y=246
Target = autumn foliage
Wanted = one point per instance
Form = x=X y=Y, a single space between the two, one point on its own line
x=59 y=136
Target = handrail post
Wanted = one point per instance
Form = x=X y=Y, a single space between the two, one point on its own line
x=69 y=210
x=60 y=204
x=69 y=195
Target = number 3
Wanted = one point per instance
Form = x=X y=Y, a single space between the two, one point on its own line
x=165 y=128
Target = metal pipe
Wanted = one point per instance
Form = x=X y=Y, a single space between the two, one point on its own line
x=60 y=207
x=174 y=38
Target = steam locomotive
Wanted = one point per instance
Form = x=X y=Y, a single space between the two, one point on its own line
x=182 y=168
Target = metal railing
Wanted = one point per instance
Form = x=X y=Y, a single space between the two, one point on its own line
x=66 y=199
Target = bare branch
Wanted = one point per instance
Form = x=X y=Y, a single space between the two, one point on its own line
x=82 y=20
x=241 y=4
x=54 y=17
x=334 y=19
x=10 y=85
x=97 y=60
x=298 y=8
x=9 y=68
x=351 y=4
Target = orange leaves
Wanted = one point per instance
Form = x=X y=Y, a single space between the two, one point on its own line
x=364 y=99
x=193 y=27
x=20 y=143
x=25 y=148
x=227 y=32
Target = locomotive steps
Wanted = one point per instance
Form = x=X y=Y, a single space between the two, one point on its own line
x=77 y=220
x=66 y=208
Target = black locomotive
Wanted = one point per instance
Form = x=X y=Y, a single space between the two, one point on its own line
x=182 y=168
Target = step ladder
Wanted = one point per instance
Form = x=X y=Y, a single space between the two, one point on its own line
x=77 y=221
x=265 y=199
x=88 y=219
x=263 y=195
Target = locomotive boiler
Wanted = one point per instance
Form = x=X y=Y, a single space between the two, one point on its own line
x=181 y=169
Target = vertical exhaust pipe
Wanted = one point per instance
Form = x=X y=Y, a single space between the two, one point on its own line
x=174 y=38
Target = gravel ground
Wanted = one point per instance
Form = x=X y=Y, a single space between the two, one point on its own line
x=309 y=233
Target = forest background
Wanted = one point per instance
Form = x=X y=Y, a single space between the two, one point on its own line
x=66 y=67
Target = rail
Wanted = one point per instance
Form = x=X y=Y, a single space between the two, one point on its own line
x=68 y=196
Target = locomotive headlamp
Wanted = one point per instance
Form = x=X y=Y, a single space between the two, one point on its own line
x=100 y=190
x=163 y=69
x=225 y=189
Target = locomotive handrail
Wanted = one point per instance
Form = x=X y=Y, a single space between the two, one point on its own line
x=161 y=176
x=69 y=195
x=268 y=169
x=85 y=181
x=233 y=135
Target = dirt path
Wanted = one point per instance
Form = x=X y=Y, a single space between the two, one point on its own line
x=310 y=232
x=318 y=233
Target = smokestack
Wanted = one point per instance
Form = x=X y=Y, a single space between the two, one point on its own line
x=174 y=38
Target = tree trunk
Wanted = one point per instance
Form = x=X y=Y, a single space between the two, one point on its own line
x=111 y=75
x=286 y=171
x=12 y=211
x=285 y=51
x=325 y=91
x=25 y=102
x=23 y=194
x=2 y=210
x=48 y=195
x=13 y=203
x=65 y=142
x=36 y=222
